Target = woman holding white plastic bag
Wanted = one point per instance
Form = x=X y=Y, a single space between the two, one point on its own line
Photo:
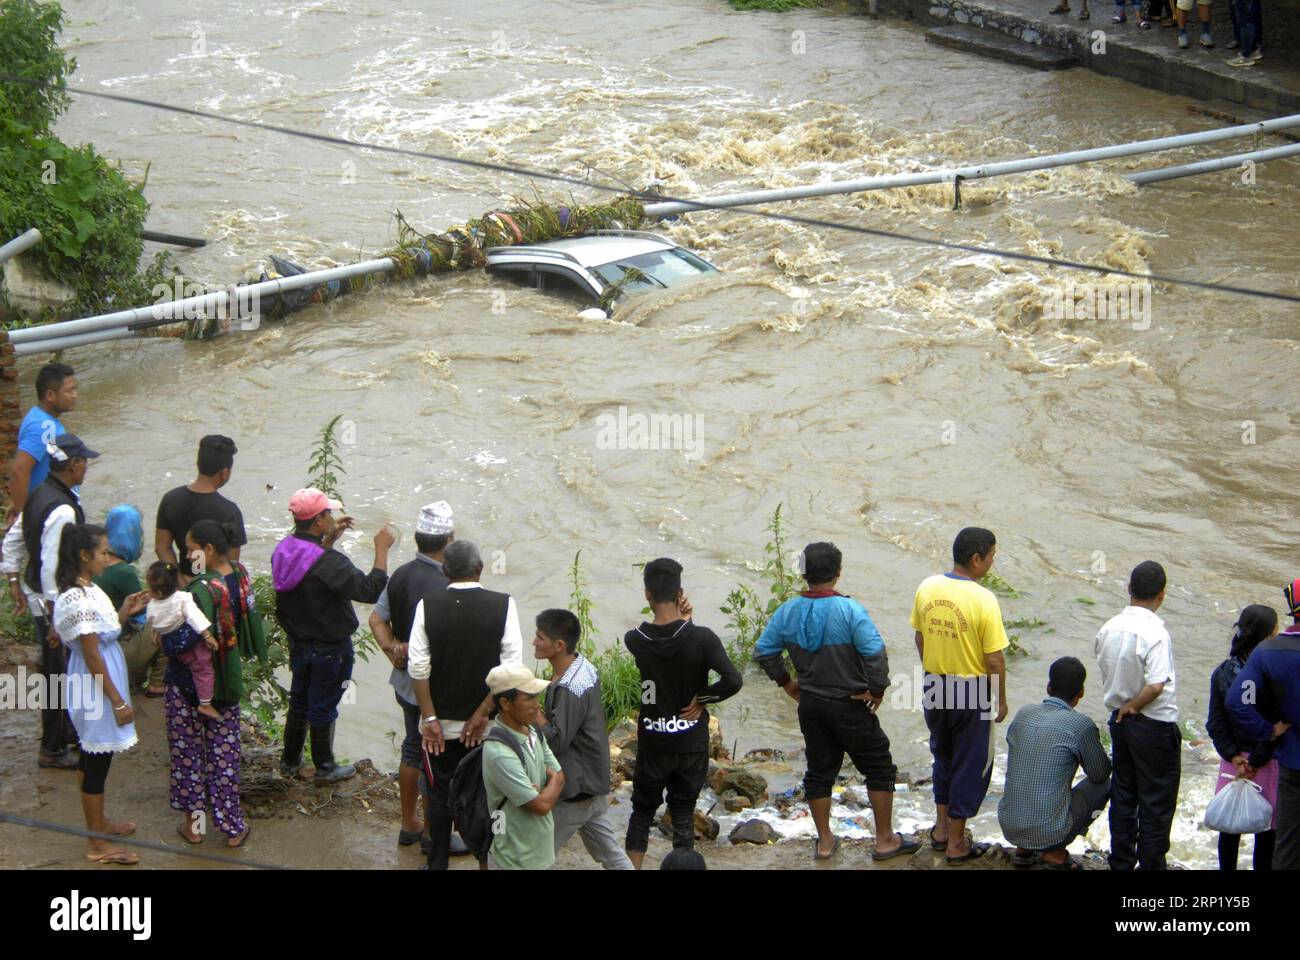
x=1242 y=758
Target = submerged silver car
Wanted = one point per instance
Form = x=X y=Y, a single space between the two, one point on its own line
x=600 y=268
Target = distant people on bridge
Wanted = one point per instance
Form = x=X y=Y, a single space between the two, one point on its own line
x=1042 y=809
x=960 y=639
x=1135 y=653
x=1064 y=7
x=674 y=656
x=1243 y=756
x=1203 y=12
x=1264 y=701
x=1247 y=32
x=843 y=672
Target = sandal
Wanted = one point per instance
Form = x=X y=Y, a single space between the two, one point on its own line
x=241 y=839
x=1069 y=863
x=976 y=851
x=114 y=856
x=408 y=837
x=905 y=848
x=1119 y=18
x=188 y=837
x=937 y=844
x=1144 y=24
x=818 y=855
x=1024 y=858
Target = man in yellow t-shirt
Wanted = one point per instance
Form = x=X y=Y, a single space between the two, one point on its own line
x=960 y=638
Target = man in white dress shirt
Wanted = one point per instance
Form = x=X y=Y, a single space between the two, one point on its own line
x=1135 y=654
x=457 y=636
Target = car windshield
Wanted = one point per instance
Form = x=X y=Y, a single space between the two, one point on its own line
x=659 y=268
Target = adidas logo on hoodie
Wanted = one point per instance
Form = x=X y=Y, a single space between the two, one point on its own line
x=669 y=725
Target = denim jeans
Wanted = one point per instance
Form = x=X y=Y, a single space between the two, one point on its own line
x=320 y=671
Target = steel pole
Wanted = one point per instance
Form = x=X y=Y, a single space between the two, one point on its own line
x=949 y=174
x=20 y=243
x=1209 y=166
x=173 y=310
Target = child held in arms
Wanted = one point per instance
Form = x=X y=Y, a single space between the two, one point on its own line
x=177 y=620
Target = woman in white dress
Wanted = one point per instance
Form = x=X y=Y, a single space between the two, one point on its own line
x=97 y=695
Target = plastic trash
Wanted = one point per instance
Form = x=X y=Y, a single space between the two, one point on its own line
x=1239 y=808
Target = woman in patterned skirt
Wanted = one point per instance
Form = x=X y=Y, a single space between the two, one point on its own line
x=205 y=753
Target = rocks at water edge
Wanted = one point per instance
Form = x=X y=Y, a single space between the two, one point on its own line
x=725 y=777
x=706 y=828
x=753 y=831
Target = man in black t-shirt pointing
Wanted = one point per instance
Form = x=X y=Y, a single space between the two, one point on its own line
x=182 y=507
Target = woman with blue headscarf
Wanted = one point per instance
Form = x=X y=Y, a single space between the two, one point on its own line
x=121 y=579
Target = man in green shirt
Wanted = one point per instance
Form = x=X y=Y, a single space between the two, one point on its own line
x=520 y=795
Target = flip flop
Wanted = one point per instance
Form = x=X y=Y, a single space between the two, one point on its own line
x=907 y=847
x=818 y=855
x=1069 y=863
x=187 y=838
x=1026 y=859
x=248 y=829
x=408 y=837
x=937 y=844
x=116 y=856
x=155 y=696
x=976 y=851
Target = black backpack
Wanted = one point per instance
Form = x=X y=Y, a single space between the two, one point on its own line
x=469 y=809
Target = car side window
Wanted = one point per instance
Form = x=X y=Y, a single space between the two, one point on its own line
x=520 y=273
x=558 y=280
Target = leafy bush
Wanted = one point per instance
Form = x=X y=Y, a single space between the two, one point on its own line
x=90 y=216
x=744 y=604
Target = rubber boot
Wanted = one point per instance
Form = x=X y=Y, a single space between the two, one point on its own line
x=295 y=735
x=322 y=755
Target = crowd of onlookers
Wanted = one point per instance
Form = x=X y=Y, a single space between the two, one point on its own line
x=509 y=777
x=1245 y=16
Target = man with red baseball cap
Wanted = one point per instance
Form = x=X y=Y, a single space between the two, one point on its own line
x=1264 y=701
x=315 y=586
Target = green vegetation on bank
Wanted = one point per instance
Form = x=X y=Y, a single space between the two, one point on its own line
x=89 y=214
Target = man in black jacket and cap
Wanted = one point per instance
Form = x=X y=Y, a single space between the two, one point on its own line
x=315 y=586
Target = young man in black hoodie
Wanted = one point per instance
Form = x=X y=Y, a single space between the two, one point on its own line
x=674 y=656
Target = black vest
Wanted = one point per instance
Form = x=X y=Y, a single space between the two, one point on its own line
x=464 y=629
x=409 y=584
x=44 y=500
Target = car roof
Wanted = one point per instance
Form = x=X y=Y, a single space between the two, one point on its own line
x=591 y=250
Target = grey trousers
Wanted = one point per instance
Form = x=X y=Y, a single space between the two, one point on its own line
x=591 y=819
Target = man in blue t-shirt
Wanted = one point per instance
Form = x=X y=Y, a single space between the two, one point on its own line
x=56 y=394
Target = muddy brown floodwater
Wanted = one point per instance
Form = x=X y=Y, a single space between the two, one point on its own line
x=886 y=393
